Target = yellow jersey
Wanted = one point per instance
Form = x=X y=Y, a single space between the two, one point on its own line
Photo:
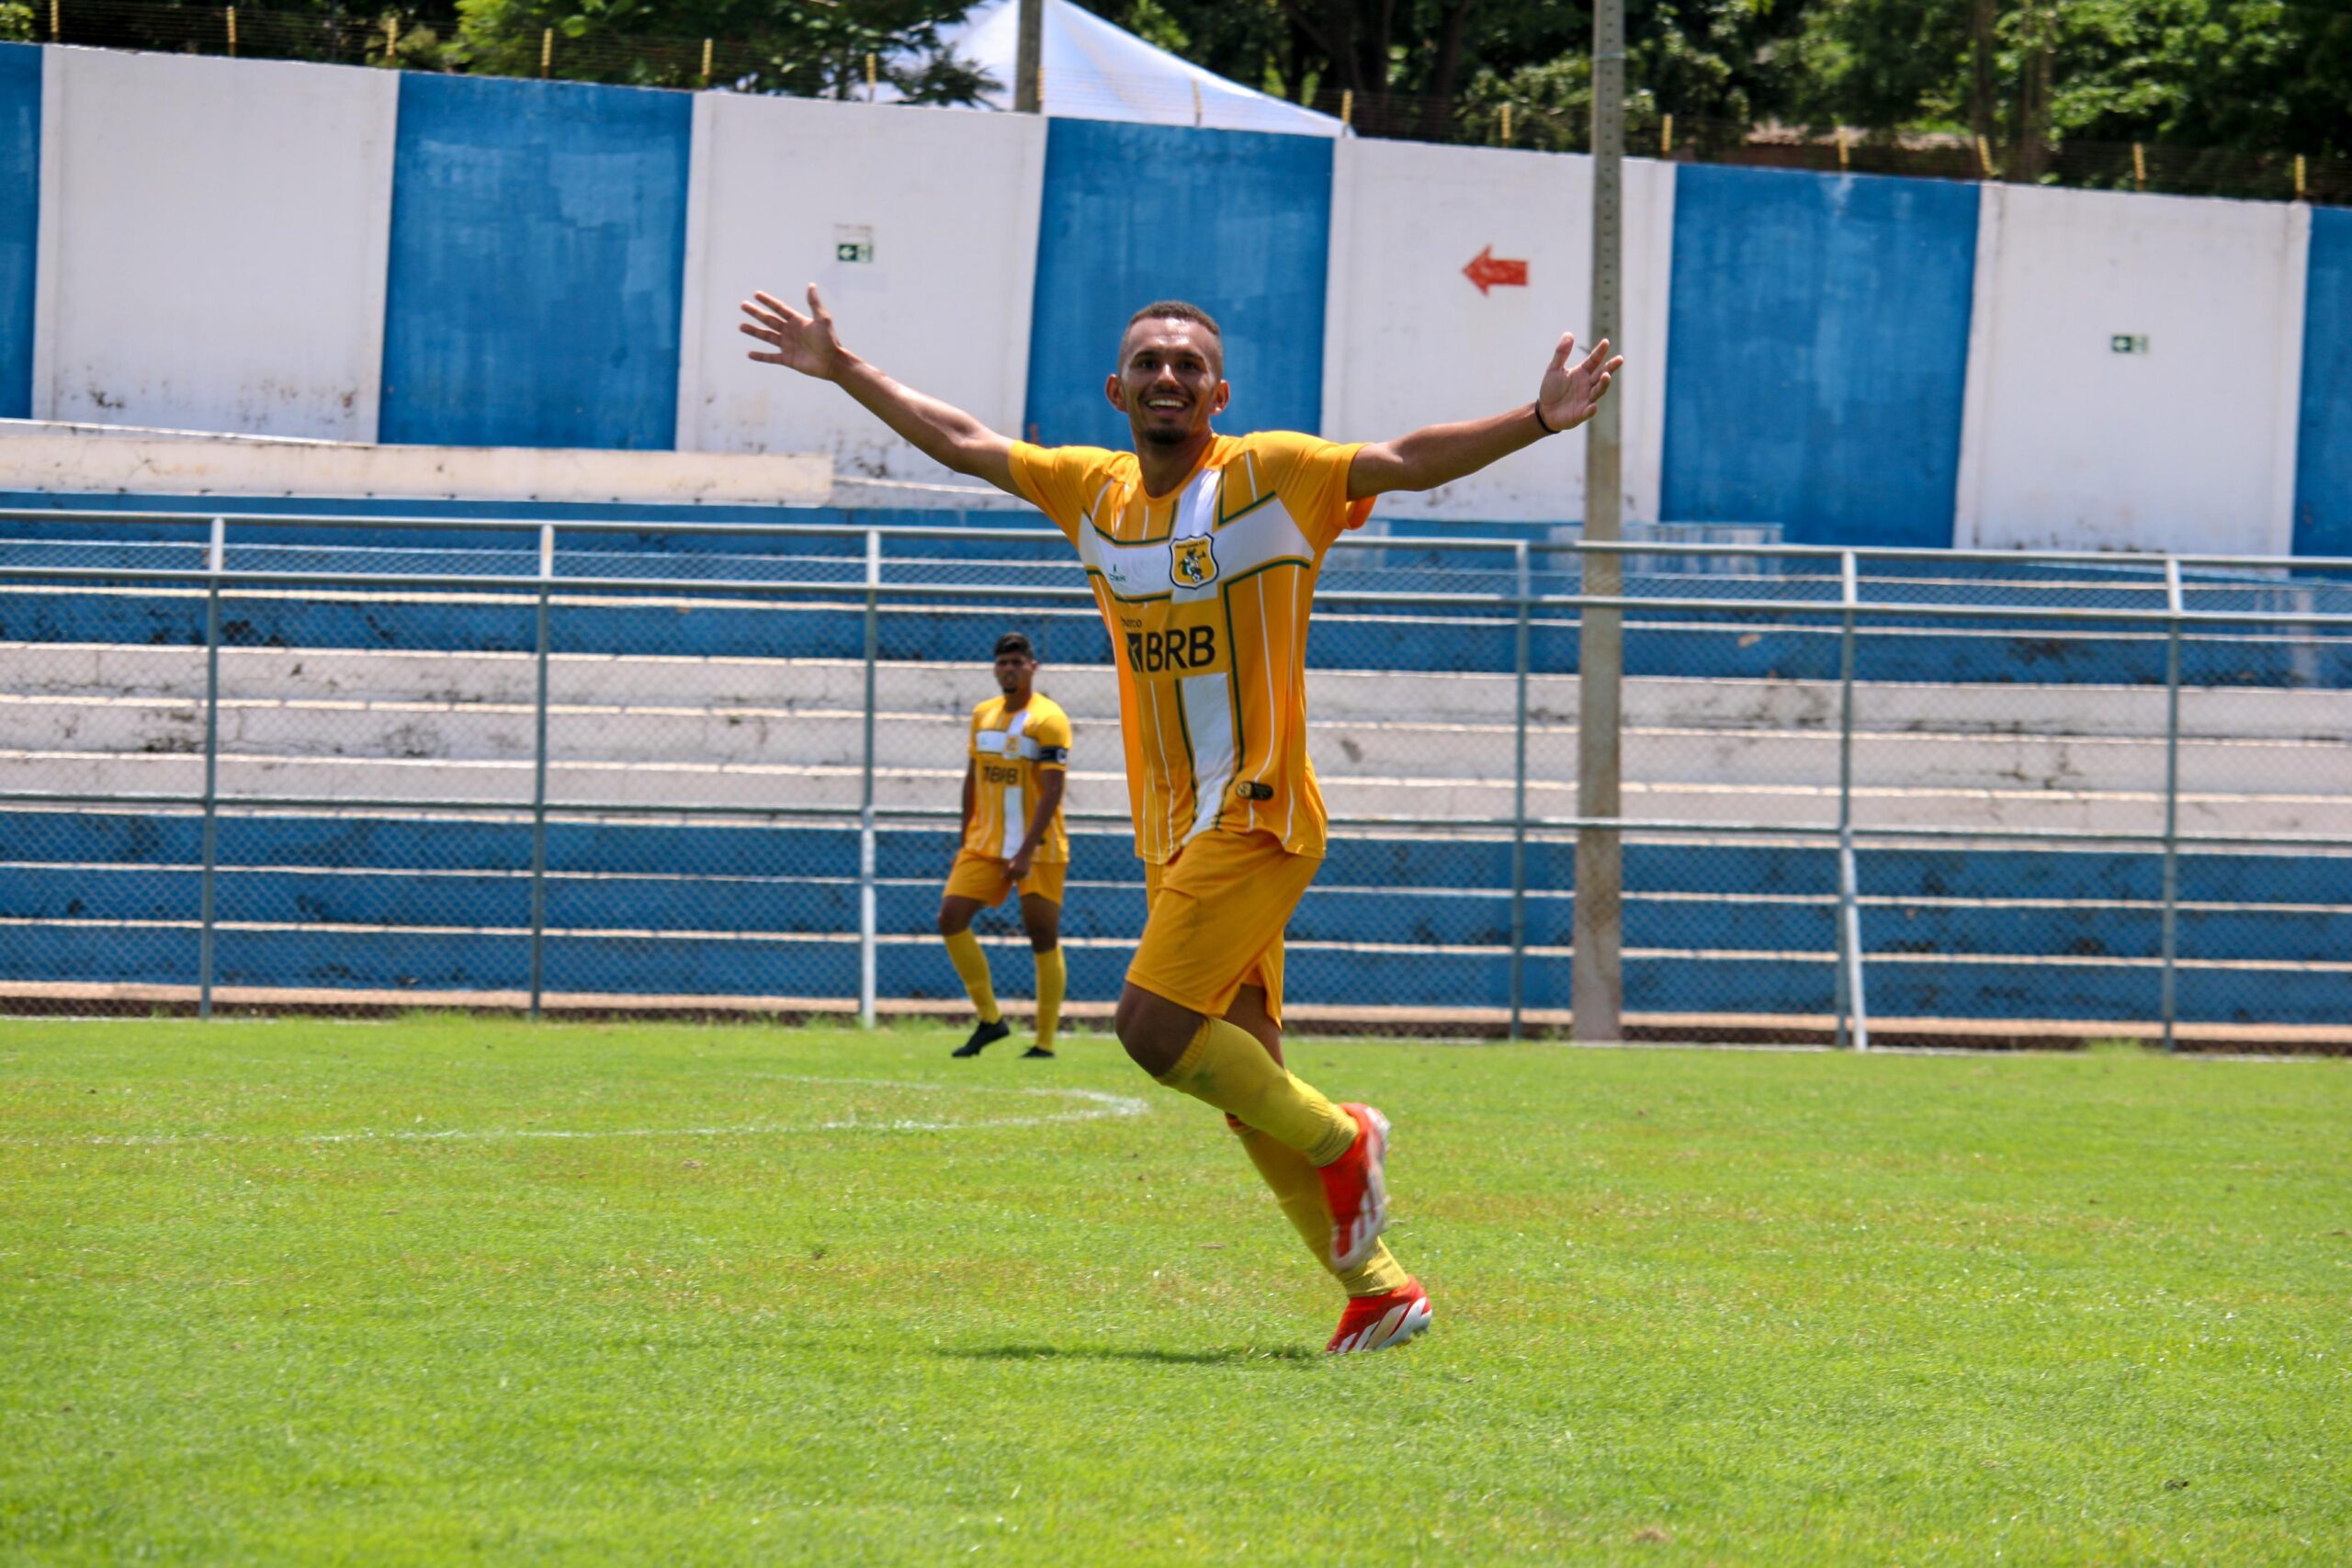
x=1009 y=751
x=1206 y=592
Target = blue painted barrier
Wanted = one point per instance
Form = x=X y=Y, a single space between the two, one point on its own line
x=920 y=855
x=1979 y=987
x=2323 y=443
x=538 y=271
x=1817 y=353
x=20 y=74
x=1239 y=223
x=1735 y=919
x=1762 y=944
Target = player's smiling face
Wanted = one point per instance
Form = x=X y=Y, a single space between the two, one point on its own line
x=1170 y=381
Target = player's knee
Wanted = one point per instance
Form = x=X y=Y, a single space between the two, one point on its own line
x=1044 y=935
x=1153 y=1031
x=952 y=920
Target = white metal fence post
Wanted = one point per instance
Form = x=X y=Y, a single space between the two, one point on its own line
x=215 y=560
x=866 y=922
x=539 y=781
x=2174 y=604
x=1853 y=1011
x=1524 y=580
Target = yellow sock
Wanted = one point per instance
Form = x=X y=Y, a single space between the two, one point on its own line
x=1227 y=1066
x=1300 y=1192
x=963 y=951
x=1053 y=975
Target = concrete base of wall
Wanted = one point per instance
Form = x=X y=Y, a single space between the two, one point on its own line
x=44 y=456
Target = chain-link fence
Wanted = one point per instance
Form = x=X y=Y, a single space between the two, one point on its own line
x=391 y=762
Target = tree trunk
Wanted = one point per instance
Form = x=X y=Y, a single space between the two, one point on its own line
x=1983 y=108
x=1437 y=113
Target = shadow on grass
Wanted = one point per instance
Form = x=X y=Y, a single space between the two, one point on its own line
x=1226 y=1355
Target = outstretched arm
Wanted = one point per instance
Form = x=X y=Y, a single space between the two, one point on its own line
x=944 y=433
x=1440 y=453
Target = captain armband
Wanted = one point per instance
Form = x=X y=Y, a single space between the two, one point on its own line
x=1053 y=756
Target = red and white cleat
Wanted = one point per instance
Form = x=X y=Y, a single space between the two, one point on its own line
x=1374 y=1322
x=1355 y=1187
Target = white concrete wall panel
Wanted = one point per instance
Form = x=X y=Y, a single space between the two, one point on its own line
x=948 y=200
x=1410 y=340
x=2134 y=373
x=213 y=243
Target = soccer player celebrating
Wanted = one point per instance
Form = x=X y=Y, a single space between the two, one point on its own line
x=1012 y=838
x=1203 y=550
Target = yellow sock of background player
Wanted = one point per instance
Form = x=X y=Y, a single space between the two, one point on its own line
x=972 y=965
x=1300 y=1192
x=1053 y=977
x=1227 y=1066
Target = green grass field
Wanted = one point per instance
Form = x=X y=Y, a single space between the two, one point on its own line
x=446 y=1289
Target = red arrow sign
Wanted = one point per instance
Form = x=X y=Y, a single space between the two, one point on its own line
x=1488 y=271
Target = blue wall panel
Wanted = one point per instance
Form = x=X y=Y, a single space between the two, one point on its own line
x=537 y=264
x=2323 y=449
x=1817 y=353
x=19 y=222
x=1237 y=222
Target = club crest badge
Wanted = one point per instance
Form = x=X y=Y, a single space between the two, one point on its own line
x=1191 y=562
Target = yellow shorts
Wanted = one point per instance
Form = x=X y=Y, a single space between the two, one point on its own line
x=983 y=877
x=1217 y=920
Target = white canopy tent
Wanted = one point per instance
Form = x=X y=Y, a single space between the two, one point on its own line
x=1090 y=70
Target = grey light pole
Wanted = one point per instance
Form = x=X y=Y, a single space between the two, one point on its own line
x=1028 y=55
x=1597 y=995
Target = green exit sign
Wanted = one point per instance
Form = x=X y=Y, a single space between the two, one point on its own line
x=2128 y=343
x=853 y=243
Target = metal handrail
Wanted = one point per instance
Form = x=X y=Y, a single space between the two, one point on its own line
x=1828 y=553
x=857 y=591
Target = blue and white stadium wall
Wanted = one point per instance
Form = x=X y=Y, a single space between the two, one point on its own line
x=281 y=248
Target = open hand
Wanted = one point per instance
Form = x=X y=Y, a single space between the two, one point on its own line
x=804 y=343
x=1570 y=392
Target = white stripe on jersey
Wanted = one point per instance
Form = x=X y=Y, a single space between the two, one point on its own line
x=1306 y=763
x=1266 y=630
x=1208 y=699
x=1016 y=821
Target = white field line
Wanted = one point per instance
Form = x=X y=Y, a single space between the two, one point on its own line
x=1099 y=1105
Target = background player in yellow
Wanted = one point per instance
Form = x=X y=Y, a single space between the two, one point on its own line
x=1018 y=764
x=1204 y=550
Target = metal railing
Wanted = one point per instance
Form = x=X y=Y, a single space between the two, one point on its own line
x=853 y=573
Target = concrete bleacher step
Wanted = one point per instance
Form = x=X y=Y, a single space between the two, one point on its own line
x=765 y=786
x=1408 y=753
x=1089 y=692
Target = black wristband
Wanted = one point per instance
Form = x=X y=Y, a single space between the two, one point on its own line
x=1537 y=409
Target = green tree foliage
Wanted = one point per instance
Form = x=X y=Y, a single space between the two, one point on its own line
x=808 y=47
x=2252 y=74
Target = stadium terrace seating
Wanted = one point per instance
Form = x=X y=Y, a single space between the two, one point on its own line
x=718 y=699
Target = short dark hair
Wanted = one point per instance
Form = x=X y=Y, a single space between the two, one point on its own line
x=1177 y=310
x=1014 y=642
